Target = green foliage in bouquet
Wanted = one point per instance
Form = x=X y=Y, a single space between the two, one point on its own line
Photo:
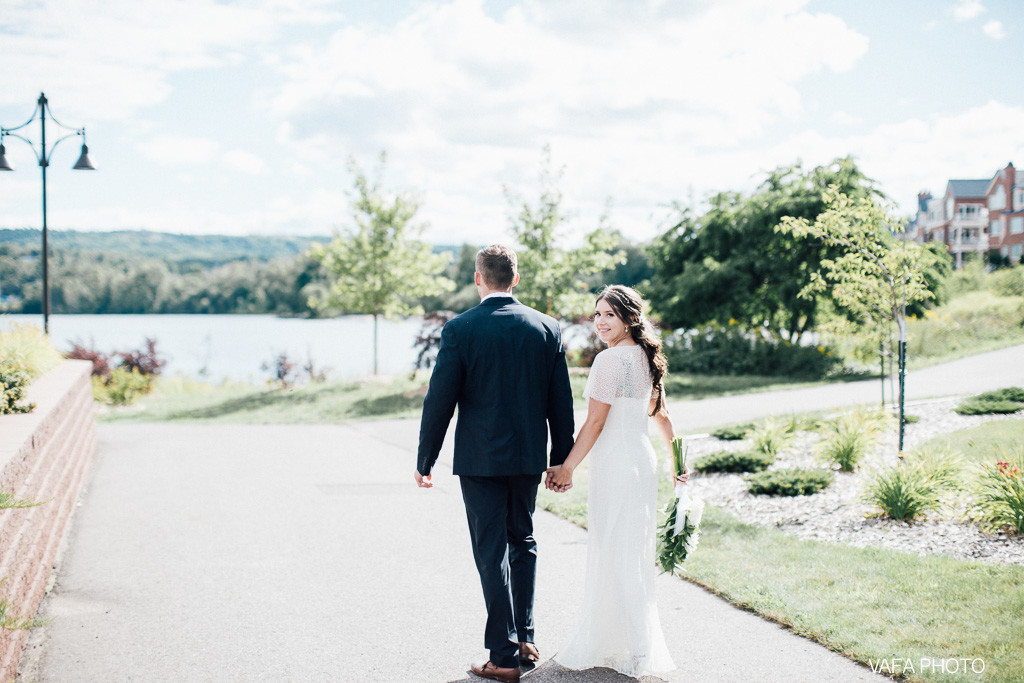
x=676 y=544
x=739 y=461
x=789 y=482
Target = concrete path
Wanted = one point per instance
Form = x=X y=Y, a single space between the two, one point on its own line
x=972 y=375
x=298 y=553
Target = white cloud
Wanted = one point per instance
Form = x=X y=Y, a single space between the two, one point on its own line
x=627 y=96
x=966 y=10
x=994 y=29
x=171 y=149
x=247 y=162
x=917 y=154
x=113 y=58
x=842 y=118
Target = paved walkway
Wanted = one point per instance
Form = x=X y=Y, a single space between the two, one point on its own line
x=298 y=553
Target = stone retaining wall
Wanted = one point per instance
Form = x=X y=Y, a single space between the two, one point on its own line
x=44 y=455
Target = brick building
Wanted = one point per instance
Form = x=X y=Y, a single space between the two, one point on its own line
x=975 y=216
x=1004 y=198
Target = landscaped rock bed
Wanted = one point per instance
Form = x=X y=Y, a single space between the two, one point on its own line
x=839 y=513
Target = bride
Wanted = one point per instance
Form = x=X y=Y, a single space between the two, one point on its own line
x=619 y=626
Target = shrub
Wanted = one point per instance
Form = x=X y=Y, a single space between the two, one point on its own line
x=847 y=439
x=282 y=370
x=123 y=383
x=1007 y=282
x=974 y=406
x=122 y=388
x=732 y=351
x=13 y=380
x=27 y=348
x=428 y=341
x=100 y=361
x=771 y=436
x=914 y=486
x=146 y=360
x=726 y=461
x=1000 y=493
x=1015 y=394
x=909 y=419
x=789 y=482
x=733 y=432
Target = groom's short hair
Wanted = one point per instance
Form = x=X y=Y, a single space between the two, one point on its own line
x=497 y=265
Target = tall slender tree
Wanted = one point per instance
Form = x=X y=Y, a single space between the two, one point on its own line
x=554 y=276
x=378 y=266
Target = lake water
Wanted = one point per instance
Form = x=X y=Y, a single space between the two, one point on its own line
x=235 y=346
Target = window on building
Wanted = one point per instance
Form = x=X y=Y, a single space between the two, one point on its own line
x=1018 y=199
x=998 y=198
x=968 y=210
x=1016 y=225
x=1016 y=252
x=995 y=228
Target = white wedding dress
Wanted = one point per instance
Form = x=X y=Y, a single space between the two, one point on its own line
x=619 y=626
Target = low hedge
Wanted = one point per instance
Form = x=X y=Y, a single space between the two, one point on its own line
x=739 y=461
x=734 y=432
x=789 y=482
x=976 y=406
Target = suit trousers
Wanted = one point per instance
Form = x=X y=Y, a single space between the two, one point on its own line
x=500 y=514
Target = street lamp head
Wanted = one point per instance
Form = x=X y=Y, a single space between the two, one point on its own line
x=84 y=163
x=4 y=164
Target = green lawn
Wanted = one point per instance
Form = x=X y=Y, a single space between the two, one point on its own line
x=865 y=603
x=178 y=399
x=984 y=443
x=181 y=400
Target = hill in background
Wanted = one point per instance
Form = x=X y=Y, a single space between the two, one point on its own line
x=168 y=247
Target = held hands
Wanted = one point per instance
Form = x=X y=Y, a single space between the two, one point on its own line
x=682 y=478
x=423 y=482
x=558 y=479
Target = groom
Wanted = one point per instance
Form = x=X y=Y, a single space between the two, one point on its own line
x=503 y=365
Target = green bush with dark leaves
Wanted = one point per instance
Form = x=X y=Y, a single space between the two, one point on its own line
x=726 y=461
x=733 y=351
x=733 y=432
x=789 y=482
x=1015 y=394
x=974 y=406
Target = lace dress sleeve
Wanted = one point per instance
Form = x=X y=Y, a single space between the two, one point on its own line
x=606 y=379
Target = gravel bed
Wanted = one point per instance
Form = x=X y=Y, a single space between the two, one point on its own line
x=839 y=514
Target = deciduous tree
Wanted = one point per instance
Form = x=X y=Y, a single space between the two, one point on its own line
x=378 y=266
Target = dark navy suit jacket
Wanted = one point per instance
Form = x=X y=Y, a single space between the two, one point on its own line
x=503 y=365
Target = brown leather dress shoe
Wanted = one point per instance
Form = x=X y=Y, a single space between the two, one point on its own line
x=497 y=673
x=528 y=652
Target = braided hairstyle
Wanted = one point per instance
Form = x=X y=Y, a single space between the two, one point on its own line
x=629 y=307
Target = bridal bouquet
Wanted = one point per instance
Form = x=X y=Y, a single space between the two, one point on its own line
x=679 y=533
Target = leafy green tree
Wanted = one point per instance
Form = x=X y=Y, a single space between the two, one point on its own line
x=554 y=278
x=731 y=266
x=378 y=267
x=875 y=276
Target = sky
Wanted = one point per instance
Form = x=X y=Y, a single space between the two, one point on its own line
x=242 y=117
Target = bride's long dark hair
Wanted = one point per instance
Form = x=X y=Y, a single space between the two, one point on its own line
x=629 y=307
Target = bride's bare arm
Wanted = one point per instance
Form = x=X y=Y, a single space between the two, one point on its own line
x=560 y=478
x=663 y=423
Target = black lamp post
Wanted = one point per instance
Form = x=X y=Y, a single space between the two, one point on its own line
x=43 y=156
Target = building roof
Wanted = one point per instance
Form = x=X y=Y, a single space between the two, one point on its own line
x=974 y=188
